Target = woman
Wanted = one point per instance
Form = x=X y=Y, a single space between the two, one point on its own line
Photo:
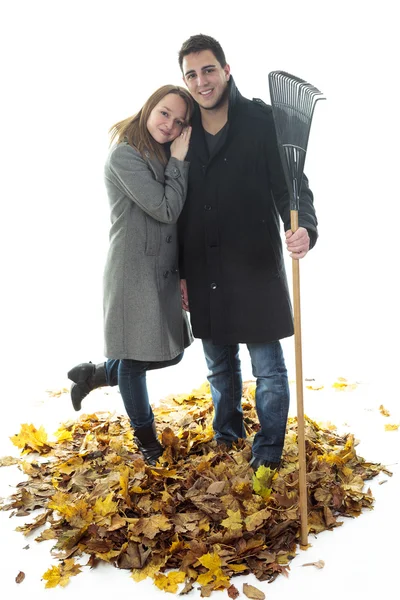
x=144 y=325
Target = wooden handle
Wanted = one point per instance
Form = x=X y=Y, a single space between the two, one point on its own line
x=294 y=223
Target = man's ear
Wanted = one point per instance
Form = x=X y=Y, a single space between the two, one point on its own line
x=184 y=80
x=227 y=70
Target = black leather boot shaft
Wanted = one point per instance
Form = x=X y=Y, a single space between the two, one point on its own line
x=86 y=377
x=148 y=444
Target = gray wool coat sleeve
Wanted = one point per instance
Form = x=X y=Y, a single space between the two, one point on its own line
x=132 y=175
x=143 y=316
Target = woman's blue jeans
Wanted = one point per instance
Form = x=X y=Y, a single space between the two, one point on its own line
x=272 y=395
x=130 y=376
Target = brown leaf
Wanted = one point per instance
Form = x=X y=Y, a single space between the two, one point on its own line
x=319 y=564
x=20 y=577
x=7 y=461
x=252 y=592
x=233 y=592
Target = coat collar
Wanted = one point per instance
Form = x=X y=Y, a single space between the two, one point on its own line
x=198 y=142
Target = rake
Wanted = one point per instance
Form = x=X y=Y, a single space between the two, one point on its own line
x=293 y=101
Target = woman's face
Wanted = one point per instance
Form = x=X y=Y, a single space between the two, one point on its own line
x=167 y=119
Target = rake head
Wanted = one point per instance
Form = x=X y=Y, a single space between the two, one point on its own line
x=293 y=101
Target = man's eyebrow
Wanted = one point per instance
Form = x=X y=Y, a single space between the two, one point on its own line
x=202 y=68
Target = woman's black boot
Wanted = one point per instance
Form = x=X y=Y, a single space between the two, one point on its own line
x=86 y=377
x=148 y=444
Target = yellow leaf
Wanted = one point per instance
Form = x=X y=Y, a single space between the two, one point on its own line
x=61 y=575
x=210 y=561
x=106 y=506
x=169 y=582
x=31 y=439
x=383 y=411
x=149 y=570
x=389 y=427
x=234 y=520
x=262 y=480
x=63 y=434
x=52 y=577
x=238 y=568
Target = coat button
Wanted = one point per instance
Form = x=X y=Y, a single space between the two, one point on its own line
x=165 y=274
x=174 y=271
x=207 y=207
x=168 y=239
x=213 y=286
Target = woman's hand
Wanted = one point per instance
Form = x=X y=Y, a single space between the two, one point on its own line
x=180 y=145
x=184 y=295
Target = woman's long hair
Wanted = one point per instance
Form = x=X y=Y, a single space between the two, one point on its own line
x=134 y=129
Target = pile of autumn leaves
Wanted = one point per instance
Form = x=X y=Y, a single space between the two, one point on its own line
x=201 y=516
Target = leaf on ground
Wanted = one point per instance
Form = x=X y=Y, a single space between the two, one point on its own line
x=384 y=411
x=319 y=564
x=199 y=513
x=391 y=427
x=169 y=582
x=252 y=592
x=20 y=577
x=7 y=461
x=234 y=520
x=62 y=574
x=233 y=592
x=30 y=439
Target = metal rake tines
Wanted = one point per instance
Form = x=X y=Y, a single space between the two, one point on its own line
x=293 y=101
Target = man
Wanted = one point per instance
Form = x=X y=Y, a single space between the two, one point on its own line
x=232 y=268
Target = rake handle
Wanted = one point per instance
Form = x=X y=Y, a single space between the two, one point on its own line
x=294 y=225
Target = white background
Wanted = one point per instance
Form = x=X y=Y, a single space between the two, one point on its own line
x=72 y=69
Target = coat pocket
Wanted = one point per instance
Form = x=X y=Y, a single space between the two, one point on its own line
x=153 y=237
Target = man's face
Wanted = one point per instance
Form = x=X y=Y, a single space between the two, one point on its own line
x=205 y=79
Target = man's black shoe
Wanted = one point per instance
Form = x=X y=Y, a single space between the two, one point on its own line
x=257 y=461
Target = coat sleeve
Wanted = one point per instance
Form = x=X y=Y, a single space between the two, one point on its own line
x=307 y=216
x=131 y=174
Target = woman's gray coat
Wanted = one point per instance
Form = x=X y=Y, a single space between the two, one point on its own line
x=143 y=316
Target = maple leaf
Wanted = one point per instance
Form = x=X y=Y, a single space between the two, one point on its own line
x=234 y=520
x=61 y=575
x=63 y=434
x=106 y=506
x=210 y=561
x=169 y=582
x=384 y=411
x=262 y=480
x=213 y=563
x=31 y=439
x=151 y=526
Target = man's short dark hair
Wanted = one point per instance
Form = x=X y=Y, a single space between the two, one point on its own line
x=200 y=42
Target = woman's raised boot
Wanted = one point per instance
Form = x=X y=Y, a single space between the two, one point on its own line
x=86 y=377
x=148 y=444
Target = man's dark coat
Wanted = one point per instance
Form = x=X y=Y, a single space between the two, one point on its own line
x=231 y=250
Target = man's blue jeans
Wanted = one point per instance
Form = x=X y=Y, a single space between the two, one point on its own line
x=130 y=376
x=272 y=395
